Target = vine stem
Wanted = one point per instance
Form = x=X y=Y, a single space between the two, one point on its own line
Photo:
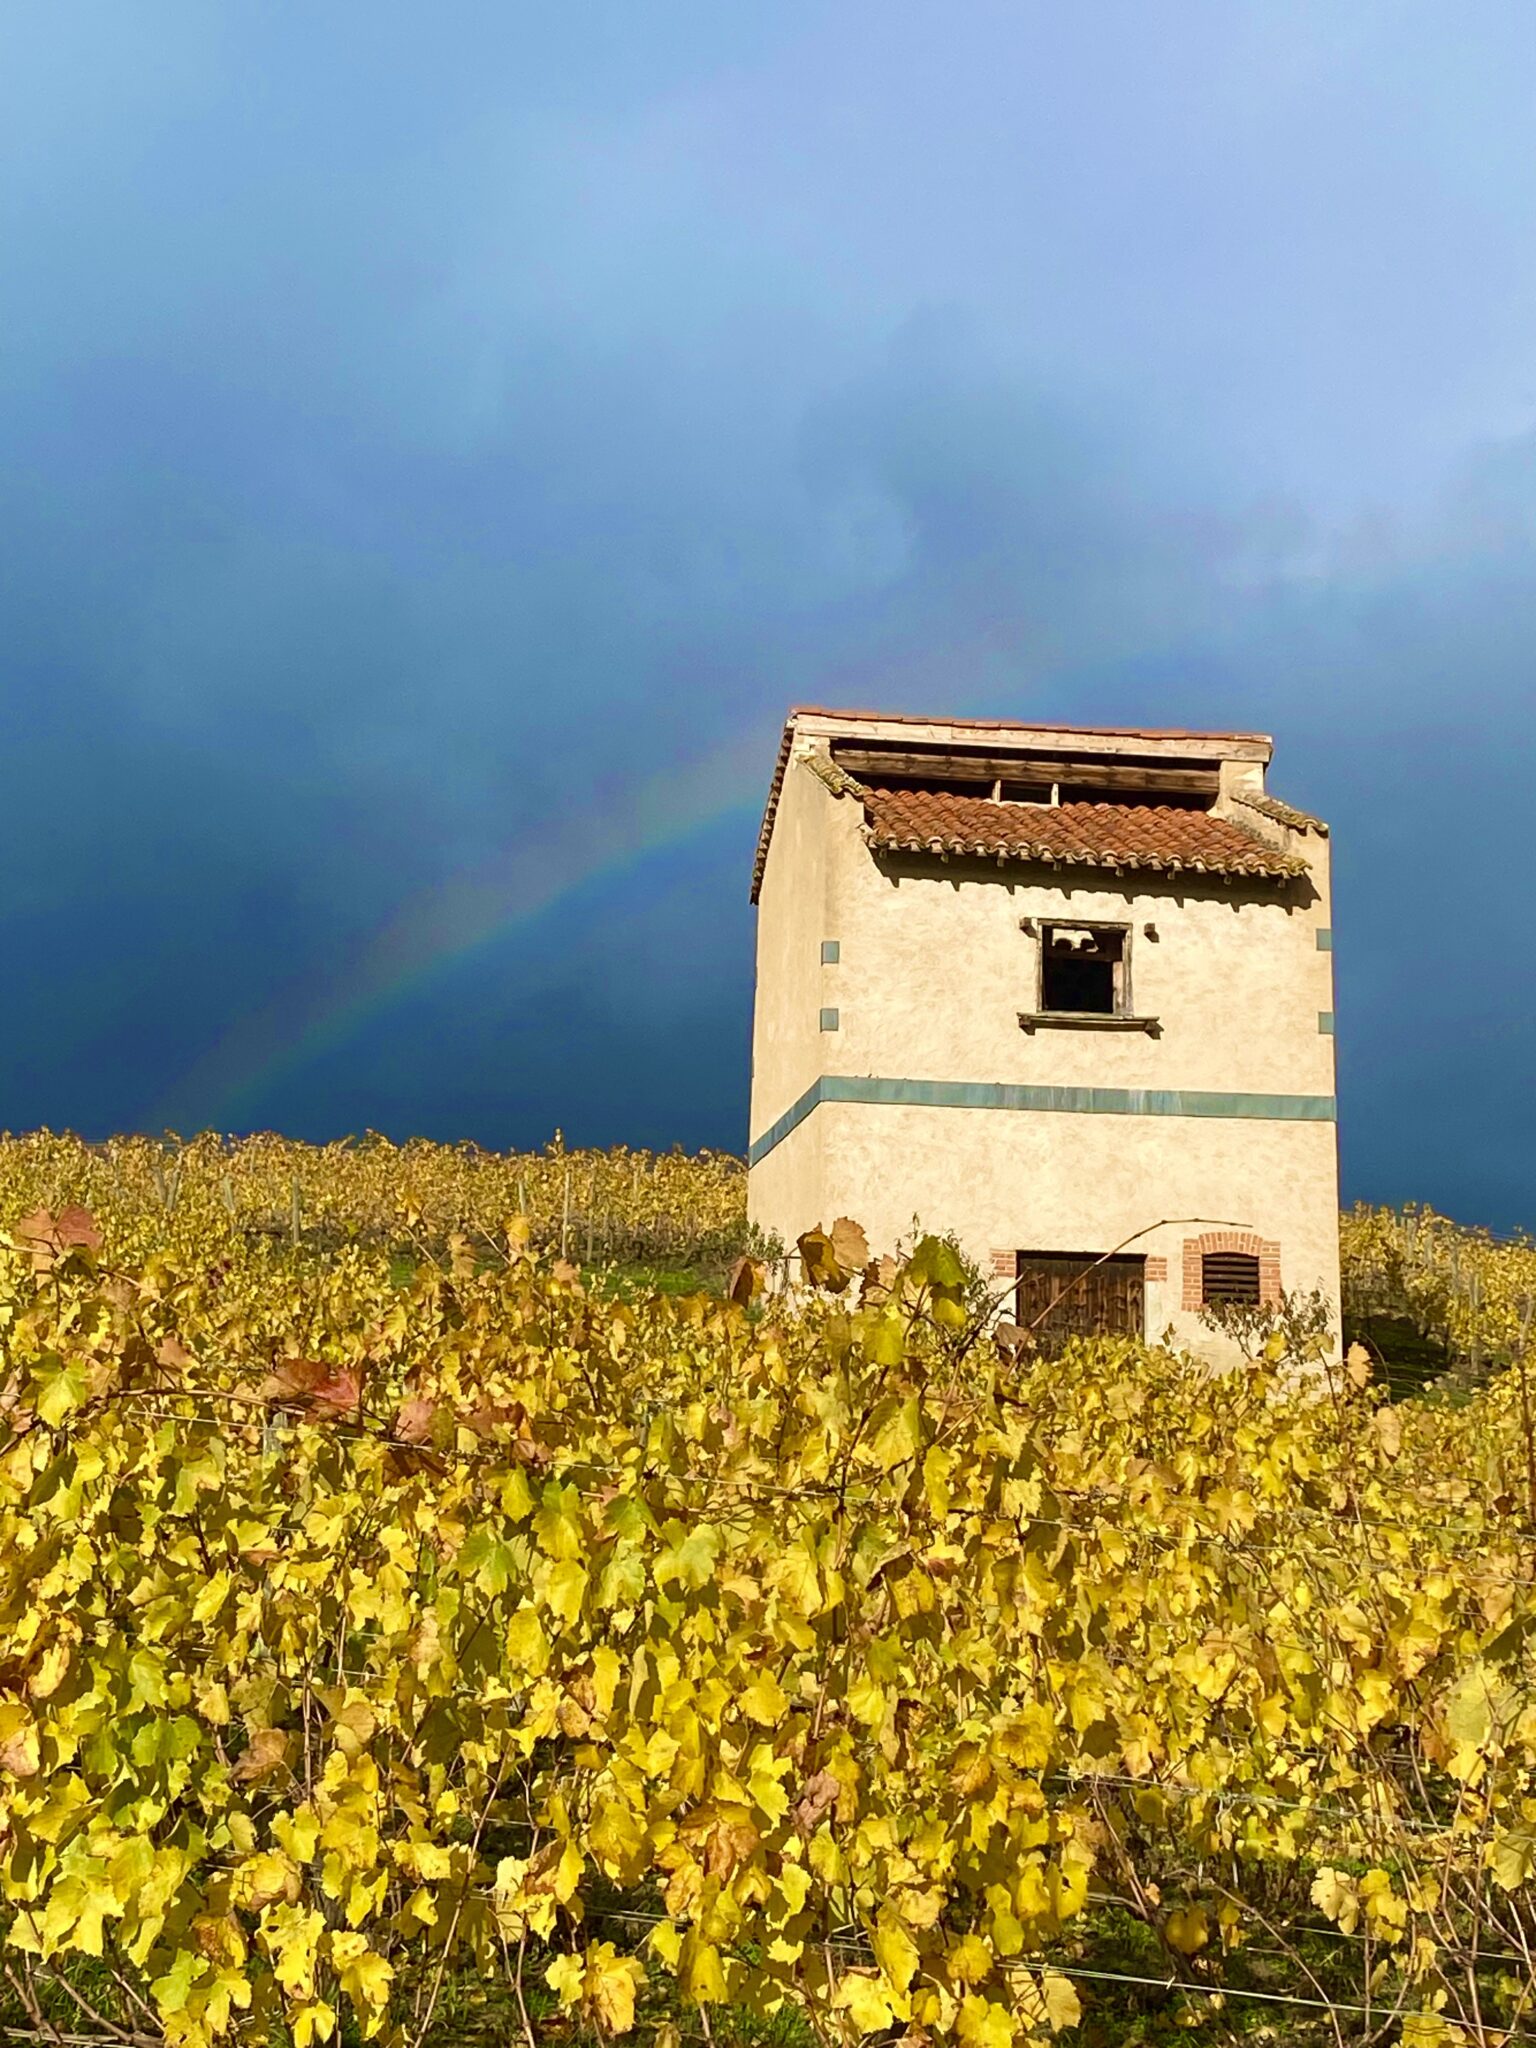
x=458 y=1909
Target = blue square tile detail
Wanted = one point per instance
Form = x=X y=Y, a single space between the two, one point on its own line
x=829 y=1020
x=830 y=952
x=1324 y=939
x=1325 y=1022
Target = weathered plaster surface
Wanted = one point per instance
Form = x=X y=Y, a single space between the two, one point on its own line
x=1000 y=1179
x=933 y=972
x=794 y=914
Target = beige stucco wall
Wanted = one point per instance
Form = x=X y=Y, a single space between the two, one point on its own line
x=1053 y=1181
x=794 y=914
x=933 y=972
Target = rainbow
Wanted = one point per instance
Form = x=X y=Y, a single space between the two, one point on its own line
x=613 y=830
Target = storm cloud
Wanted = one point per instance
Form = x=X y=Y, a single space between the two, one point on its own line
x=439 y=444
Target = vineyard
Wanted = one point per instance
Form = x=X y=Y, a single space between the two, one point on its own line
x=409 y=1636
x=1412 y=1279
x=1421 y=1283
x=597 y=1206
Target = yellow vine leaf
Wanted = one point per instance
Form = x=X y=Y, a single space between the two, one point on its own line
x=379 y=1586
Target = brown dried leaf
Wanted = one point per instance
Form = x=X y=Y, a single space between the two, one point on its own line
x=51 y=1238
x=173 y=1354
x=878 y=1278
x=266 y=1753
x=78 y=1229
x=403 y=1461
x=293 y=1379
x=413 y=1424
x=312 y=1384
x=818 y=1796
x=35 y=1233
x=340 y=1394
x=850 y=1247
x=819 y=1261
x=745 y=1281
x=487 y=1416
x=543 y=1865
x=729 y=1844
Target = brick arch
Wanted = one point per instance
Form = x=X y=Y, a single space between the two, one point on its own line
x=1265 y=1250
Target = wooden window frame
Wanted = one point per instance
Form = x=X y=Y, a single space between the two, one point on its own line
x=1122 y=1018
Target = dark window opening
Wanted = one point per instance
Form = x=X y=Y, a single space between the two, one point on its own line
x=1123 y=798
x=1082 y=970
x=1024 y=792
x=1229 y=1276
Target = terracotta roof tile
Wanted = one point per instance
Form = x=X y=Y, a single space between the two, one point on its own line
x=1283 y=813
x=1085 y=835
x=1006 y=730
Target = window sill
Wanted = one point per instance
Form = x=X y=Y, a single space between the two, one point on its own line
x=1086 y=1020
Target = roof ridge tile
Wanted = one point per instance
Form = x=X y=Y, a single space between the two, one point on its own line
x=1281 y=812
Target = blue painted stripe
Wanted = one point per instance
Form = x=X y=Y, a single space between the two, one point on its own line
x=868 y=1088
x=781 y=1126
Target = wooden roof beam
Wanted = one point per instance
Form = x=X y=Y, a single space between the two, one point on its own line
x=869 y=763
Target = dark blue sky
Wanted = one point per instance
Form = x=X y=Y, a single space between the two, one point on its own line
x=438 y=443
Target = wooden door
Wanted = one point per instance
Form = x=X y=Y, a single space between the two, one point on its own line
x=1076 y=1294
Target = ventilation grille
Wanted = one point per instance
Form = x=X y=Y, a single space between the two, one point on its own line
x=1229 y=1276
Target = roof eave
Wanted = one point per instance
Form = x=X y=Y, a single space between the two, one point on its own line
x=818 y=721
x=770 y=807
x=1051 y=857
